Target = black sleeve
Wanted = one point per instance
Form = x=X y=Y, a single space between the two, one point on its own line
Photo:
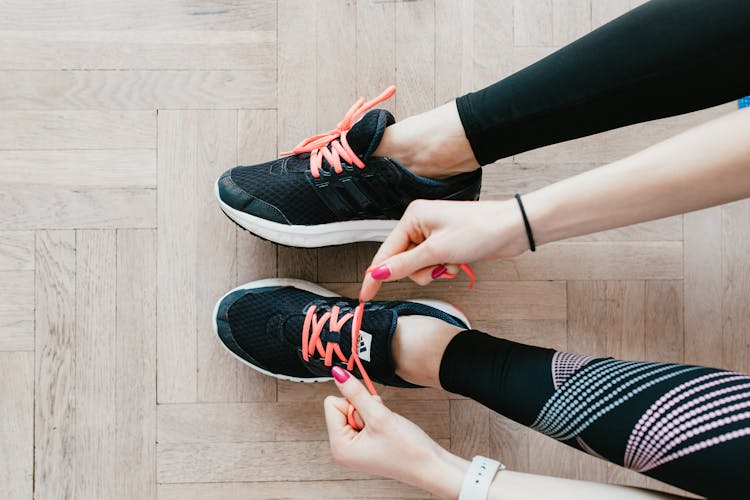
x=664 y=58
x=685 y=425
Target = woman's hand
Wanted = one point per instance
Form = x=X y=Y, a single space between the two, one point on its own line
x=389 y=445
x=434 y=237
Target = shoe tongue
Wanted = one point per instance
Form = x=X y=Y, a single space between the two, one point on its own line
x=365 y=135
x=375 y=337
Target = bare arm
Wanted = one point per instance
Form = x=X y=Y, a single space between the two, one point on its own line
x=705 y=166
x=446 y=478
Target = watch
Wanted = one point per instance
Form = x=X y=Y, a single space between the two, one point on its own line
x=478 y=478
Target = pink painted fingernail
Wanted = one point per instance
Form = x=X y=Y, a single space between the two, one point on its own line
x=381 y=272
x=340 y=374
x=438 y=271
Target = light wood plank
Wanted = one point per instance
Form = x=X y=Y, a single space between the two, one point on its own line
x=571 y=20
x=17 y=424
x=220 y=376
x=142 y=50
x=470 y=429
x=550 y=457
x=41 y=207
x=298 y=263
x=603 y=11
x=509 y=442
x=665 y=340
x=177 y=257
x=735 y=309
x=16 y=250
x=16 y=328
x=86 y=129
x=492 y=50
x=607 y=318
x=111 y=168
x=415 y=57
x=532 y=22
x=454 y=45
x=135 y=344
x=590 y=261
x=55 y=466
x=95 y=344
x=297 y=108
x=548 y=333
x=376 y=34
x=17 y=289
x=269 y=461
x=146 y=90
x=367 y=488
x=496 y=300
x=289 y=421
x=703 y=286
x=294 y=391
x=139 y=15
x=587 y=317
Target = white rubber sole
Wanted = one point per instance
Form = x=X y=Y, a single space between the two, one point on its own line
x=321 y=235
x=318 y=290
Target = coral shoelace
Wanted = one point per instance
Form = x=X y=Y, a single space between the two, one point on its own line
x=311 y=343
x=317 y=145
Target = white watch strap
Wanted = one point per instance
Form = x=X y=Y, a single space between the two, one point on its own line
x=479 y=478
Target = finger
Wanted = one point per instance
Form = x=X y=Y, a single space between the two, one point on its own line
x=400 y=239
x=369 y=289
x=360 y=424
x=406 y=263
x=356 y=393
x=335 y=413
x=450 y=270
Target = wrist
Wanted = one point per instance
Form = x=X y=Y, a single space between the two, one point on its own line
x=509 y=229
x=443 y=474
x=541 y=214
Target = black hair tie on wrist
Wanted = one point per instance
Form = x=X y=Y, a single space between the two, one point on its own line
x=530 y=235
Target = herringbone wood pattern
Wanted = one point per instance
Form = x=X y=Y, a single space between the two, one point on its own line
x=116 y=117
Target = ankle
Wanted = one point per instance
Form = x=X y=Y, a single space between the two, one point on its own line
x=418 y=345
x=431 y=144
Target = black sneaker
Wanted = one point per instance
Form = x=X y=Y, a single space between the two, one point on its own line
x=268 y=323
x=331 y=190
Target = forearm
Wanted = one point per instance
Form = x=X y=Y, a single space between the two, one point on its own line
x=445 y=477
x=706 y=166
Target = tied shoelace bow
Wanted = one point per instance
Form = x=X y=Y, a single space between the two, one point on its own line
x=317 y=145
x=312 y=343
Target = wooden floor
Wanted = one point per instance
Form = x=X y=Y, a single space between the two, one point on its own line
x=115 y=119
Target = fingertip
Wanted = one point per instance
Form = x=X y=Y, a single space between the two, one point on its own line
x=369 y=289
x=340 y=375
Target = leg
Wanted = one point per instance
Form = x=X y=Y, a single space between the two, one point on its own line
x=685 y=425
x=653 y=62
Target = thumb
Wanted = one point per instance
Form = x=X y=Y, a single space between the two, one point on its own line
x=353 y=390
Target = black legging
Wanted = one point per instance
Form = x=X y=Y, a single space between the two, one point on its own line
x=663 y=58
x=685 y=425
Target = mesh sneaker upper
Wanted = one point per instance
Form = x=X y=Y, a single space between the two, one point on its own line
x=264 y=327
x=285 y=191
